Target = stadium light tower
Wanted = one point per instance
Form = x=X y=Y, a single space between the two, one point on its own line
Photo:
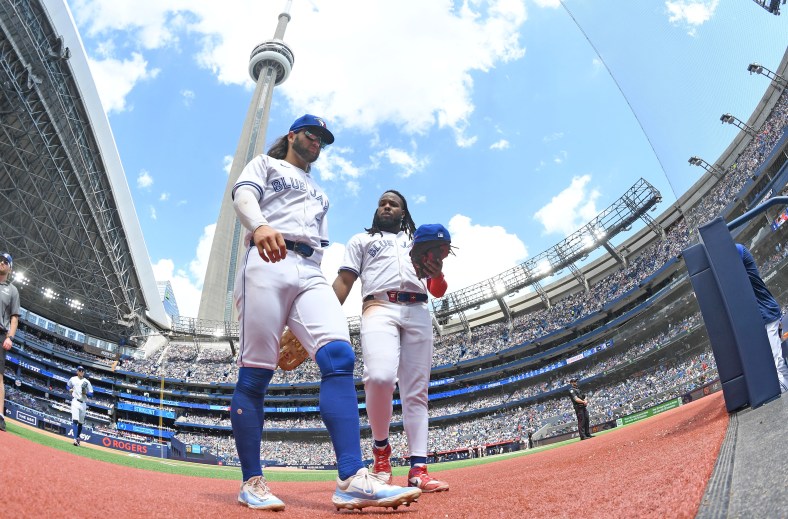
x=730 y=119
x=772 y=6
x=755 y=68
x=714 y=170
x=269 y=65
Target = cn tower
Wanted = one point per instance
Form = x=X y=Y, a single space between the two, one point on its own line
x=269 y=66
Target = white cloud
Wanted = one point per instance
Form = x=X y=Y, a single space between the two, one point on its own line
x=187 y=295
x=144 y=179
x=152 y=211
x=453 y=40
x=188 y=96
x=561 y=157
x=408 y=163
x=500 y=145
x=691 y=13
x=548 y=3
x=199 y=265
x=164 y=197
x=333 y=165
x=569 y=209
x=116 y=78
x=420 y=199
x=228 y=163
x=187 y=283
x=553 y=137
x=153 y=23
x=353 y=187
x=472 y=263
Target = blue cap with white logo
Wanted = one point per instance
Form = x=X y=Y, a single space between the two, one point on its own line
x=313 y=122
x=8 y=259
x=431 y=232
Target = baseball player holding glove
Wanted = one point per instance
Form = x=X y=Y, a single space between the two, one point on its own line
x=279 y=283
x=81 y=389
x=396 y=328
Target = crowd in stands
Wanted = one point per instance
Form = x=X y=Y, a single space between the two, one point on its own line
x=644 y=389
x=712 y=203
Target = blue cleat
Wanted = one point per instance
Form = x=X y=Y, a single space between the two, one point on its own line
x=362 y=490
x=255 y=494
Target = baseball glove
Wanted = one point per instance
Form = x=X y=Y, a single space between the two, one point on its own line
x=291 y=352
x=431 y=242
x=84 y=389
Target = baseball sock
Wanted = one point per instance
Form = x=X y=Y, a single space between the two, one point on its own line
x=79 y=429
x=381 y=444
x=418 y=460
x=74 y=429
x=338 y=405
x=247 y=417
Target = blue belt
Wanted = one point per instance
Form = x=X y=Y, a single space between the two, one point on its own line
x=299 y=248
x=394 y=296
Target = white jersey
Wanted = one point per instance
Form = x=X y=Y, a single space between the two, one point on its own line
x=382 y=263
x=289 y=199
x=79 y=388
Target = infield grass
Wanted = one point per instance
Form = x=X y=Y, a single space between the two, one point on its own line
x=216 y=472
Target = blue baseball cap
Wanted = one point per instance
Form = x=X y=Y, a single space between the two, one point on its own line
x=431 y=232
x=9 y=259
x=316 y=123
x=80 y=368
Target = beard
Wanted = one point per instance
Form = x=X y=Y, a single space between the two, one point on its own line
x=305 y=152
x=389 y=223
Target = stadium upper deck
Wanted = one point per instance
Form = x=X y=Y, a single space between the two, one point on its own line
x=66 y=213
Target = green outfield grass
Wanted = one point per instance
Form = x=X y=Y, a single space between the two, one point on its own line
x=212 y=471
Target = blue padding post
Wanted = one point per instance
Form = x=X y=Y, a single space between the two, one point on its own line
x=739 y=307
x=718 y=326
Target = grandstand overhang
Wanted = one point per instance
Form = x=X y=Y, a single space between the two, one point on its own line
x=66 y=211
x=617 y=218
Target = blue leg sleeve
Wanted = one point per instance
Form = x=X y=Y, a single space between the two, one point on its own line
x=338 y=405
x=74 y=425
x=247 y=417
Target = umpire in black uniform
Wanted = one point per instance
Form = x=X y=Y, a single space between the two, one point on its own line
x=580 y=404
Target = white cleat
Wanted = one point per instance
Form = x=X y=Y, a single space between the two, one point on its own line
x=255 y=494
x=362 y=490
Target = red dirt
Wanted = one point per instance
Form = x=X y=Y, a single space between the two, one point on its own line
x=655 y=468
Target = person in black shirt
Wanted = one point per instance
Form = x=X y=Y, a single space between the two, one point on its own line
x=580 y=404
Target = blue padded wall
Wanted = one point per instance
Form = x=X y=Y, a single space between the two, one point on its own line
x=730 y=312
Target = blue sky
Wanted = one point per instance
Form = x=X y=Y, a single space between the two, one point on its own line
x=511 y=122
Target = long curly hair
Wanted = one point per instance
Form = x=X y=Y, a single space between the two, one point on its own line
x=407 y=225
x=278 y=149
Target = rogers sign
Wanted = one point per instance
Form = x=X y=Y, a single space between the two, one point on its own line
x=113 y=443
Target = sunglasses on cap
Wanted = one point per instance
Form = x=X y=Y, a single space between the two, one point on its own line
x=315 y=137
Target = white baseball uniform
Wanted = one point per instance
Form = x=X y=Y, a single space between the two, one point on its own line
x=294 y=291
x=79 y=388
x=396 y=338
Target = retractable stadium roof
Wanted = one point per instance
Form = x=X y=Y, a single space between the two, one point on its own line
x=66 y=213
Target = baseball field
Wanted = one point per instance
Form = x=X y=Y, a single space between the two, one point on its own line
x=658 y=467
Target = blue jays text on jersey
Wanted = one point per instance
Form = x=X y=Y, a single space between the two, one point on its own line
x=281 y=184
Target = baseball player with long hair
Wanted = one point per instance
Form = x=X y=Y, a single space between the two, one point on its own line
x=396 y=332
x=81 y=389
x=280 y=283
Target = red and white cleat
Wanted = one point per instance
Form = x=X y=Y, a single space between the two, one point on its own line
x=419 y=477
